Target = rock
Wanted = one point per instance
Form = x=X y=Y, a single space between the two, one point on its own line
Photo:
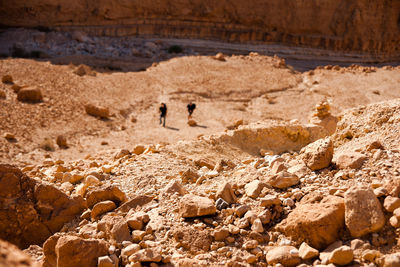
x=270 y=200
x=192 y=123
x=31 y=211
x=2 y=94
x=97 y=111
x=16 y=88
x=221 y=204
x=225 y=192
x=205 y=162
x=115 y=228
x=306 y=252
x=341 y=256
x=62 y=141
x=138 y=149
x=193 y=240
x=134 y=202
x=352 y=160
x=137 y=235
x=106 y=261
x=265 y=216
x=283 y=180
x=30 y=95
x=189 y=176
x=175 y=187
x=394 y=221
x=137 y=220
x=363 y=211
x=392 y=186
x=221 y=234
x=129 y=250
x=220 y=56
x=285 y=255
x=72 y=251
x=11 y=256
x=370 y=255
x=253 y=189
x=108 y=192
x=147 y=255
x=324 y=255
x=318 y=155
x=9 y=137
x=8 y=79
x=102 y=208
x=391 y=203
x=241 y=210
x=391 y=260
x=318 y=224
x=257 y=226
x=122 y=153
x=193 y=206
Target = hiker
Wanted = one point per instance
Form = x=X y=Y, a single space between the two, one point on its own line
x=190 y=107
x=163 y=113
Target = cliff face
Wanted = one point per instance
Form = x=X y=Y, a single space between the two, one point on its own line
x=357 y=25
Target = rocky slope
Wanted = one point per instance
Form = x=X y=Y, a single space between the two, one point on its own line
x=362 y=26
x=212 y=202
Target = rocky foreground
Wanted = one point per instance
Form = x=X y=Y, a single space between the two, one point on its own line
x=273 y=193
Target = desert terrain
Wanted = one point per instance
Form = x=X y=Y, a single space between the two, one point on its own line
x=291 y=157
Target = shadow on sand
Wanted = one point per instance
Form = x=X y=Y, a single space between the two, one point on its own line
x=171 y=128
x=201 y=126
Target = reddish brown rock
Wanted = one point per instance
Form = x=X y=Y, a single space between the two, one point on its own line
x=317 y=224
x=32 y=211
x=102 y=207
x=285 y=255
x=11 y=256
x=283 y=180
x=318 y=155
x=194 y=206
x=115 y=228
x=193 y=240
x=72 y=251
x=363 y=211
x=109 y=192
x=225 y=192
x=97 y=111
x=352 y=160
x=30 y=95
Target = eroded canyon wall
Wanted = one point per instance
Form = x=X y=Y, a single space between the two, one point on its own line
x=343 y=25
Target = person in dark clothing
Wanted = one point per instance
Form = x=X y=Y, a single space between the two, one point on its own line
x=190 y=107
x=163 y=113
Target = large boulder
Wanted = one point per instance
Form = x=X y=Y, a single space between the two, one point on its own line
x=11 y=256
x=194 y=206
x=31 y=211
x=363 y=211
x=317 y=224
x=318 y=155
x=73 y=251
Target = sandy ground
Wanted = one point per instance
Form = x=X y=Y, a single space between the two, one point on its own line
x=249 y=88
